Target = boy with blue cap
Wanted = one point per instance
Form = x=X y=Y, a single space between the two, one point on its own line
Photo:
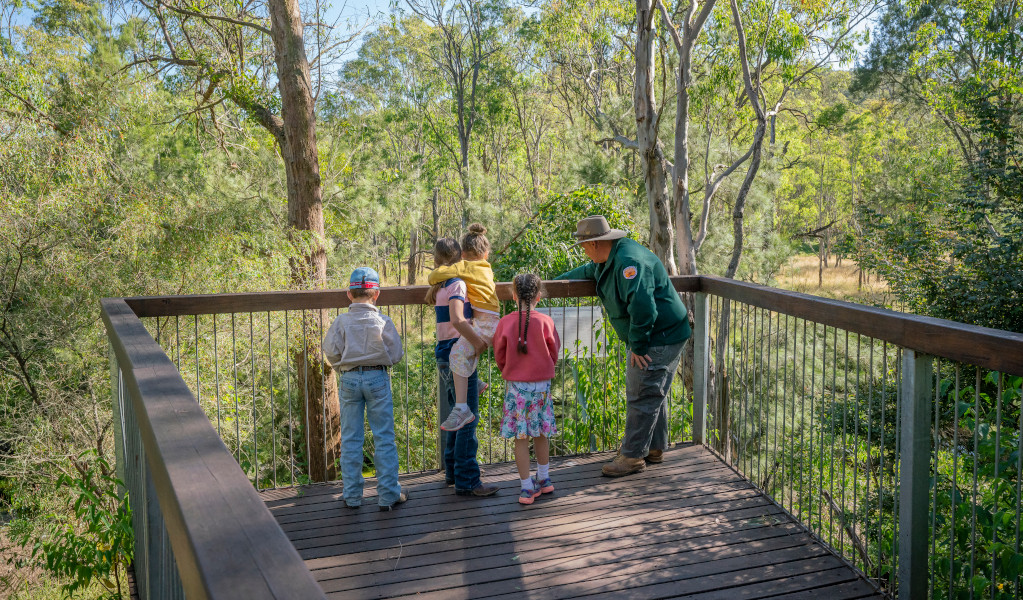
x=361 y=345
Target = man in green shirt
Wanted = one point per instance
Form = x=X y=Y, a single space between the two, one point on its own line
x=647 y=313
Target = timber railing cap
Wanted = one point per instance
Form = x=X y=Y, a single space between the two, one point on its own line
x=981 y=346
x=992 y=349
x=225 y=541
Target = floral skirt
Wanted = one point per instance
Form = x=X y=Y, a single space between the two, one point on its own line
x=528 y=410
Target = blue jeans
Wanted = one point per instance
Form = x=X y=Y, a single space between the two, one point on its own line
x=460 y=446
x=367 y=395
x=646 y=394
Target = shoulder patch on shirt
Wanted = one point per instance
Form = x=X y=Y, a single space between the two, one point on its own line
x=630 y=272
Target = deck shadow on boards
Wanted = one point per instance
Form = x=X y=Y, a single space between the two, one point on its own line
x=689 y=527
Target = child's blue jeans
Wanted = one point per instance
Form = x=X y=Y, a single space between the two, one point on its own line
x=460 y=446
x=368 y=393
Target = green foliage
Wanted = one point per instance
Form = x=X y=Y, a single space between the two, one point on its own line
x=545 y=245
x=98 y=545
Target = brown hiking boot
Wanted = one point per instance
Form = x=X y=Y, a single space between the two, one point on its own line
x=655 y=457
x=623 y=465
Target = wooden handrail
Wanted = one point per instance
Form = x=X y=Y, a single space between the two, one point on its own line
x=225 y=541
x=989 y=348
x=992 y=349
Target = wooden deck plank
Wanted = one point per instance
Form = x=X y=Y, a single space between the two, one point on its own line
x=572 y=491
x=538 y=547
x=689 y=527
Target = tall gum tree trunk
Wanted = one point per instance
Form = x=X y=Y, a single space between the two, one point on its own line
x=662 y=232
x=317 y=384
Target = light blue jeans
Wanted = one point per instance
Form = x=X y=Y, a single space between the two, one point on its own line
x=367 y=395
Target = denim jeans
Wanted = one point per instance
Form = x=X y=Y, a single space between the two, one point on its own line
x=367 y=395
x=460 y=446
x=646 y=393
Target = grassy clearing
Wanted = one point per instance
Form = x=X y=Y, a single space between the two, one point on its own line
x=801 y=274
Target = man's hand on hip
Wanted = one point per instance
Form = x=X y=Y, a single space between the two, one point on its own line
x=635 y=360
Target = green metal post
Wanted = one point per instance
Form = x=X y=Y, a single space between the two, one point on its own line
x=701 y=367
x=914 y=473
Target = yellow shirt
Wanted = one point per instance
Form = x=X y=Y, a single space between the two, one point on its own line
x=479 y=281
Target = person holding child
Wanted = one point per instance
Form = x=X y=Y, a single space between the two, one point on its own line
x=361 y=345
x=475 y=271
x=647 y=314
x=454 y=312
x=526 y=347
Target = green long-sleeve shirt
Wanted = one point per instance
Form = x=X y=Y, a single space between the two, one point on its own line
x=640 y=300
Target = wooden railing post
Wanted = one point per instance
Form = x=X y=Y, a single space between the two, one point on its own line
x=914 y=473
x=701 y=367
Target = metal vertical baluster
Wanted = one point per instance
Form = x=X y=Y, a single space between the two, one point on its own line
x=1019 y=489
x=790 y=475
x=955 y=480
x=177 y=342
x=845 y=438
x=870 y=446
x=831 y=419
x=934 y=507
x=408 y=404
x=291 y=415
x=856 y=450
x=603 y=386
x=880 y=479
x=305 y=381
x=255 y=424
x=1019 y=496
x=216 y=371
x=998 y=458
x=802 y=426
x=422 y=379
x=237 y=420
x=973 y=500
x=762 y=416
x=198 y=387
x=813 y=432
x=273 y=412
x=323 y=393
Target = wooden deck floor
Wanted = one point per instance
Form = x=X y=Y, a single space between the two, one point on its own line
x=686 y=528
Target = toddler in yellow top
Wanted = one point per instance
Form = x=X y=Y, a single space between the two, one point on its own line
x=475 y=271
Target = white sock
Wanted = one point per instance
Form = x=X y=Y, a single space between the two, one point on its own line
x=543 y=471
x=462 y=407
x=527 y=484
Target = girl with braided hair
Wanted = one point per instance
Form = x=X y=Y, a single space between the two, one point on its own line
x=526 y=346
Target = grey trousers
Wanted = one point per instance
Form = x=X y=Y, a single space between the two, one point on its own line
x=646 y=393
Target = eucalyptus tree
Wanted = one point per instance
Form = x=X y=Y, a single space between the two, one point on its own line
x=791 y=42
x=252 y=56
x=462 y=43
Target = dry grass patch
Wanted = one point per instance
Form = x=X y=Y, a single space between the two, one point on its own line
x=801 y=274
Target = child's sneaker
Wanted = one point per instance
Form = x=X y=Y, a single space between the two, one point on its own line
x=527 y=496
x=484 y=386
x=457 y=419
x=545 y=486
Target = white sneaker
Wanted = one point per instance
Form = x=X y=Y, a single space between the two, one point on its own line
x=457 y=419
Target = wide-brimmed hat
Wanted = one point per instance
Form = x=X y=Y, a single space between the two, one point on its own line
x=594 y=229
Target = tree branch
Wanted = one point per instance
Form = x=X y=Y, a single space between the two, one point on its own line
x=194 y=13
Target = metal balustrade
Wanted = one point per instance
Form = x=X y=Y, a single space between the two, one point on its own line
x=894 y=439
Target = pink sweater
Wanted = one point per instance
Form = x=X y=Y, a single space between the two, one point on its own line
x=542 y=342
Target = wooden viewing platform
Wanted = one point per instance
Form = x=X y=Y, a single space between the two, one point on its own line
x=690 y=527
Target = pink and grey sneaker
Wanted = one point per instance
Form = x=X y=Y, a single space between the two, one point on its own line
x=527 y=496
x=457 y=419
x=483 y=387
x=545 y=486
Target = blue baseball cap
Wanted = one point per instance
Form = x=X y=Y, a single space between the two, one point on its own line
x=364 y=278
